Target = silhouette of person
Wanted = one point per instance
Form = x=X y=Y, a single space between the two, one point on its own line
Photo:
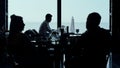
x=19 y=46
x=94 y=31
x=45 y=29
x=93 y=45
x=44 y=32
x=101 y=41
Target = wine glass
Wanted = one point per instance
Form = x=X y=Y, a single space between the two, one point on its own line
x=77 y=31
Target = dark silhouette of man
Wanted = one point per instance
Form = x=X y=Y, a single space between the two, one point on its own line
x=99 y=41
x=93 y=45
x=94 y=31
x=45 y=29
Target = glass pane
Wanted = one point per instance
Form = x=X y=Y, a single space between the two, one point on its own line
x=33 y=12
x=79 y=10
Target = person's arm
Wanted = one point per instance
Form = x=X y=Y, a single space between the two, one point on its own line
x=48 y=28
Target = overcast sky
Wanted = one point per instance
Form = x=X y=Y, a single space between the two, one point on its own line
x=35 y=10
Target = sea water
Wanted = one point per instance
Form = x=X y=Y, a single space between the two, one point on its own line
x=78 y=25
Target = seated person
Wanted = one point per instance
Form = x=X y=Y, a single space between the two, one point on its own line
x=92 y=46
x=19 y=46
x=45 y=29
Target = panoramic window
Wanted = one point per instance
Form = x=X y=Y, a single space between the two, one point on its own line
x=77 y=11
x=33 y=12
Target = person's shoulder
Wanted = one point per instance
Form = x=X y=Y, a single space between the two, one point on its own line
x=106 y=33
x=105 y=30
x=19 y=35
x=44 y=23
x=23 y=36
x=84 y=35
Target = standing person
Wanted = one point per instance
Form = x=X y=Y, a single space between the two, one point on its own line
x=92 y=46
x=45 y=29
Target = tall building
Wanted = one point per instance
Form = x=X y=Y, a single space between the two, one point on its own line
x=72 y=28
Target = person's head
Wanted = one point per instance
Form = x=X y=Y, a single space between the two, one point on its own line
x=16 y=24
x=93 y=21
x=48 y=17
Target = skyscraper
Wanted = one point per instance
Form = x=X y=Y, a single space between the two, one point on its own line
x=72 y=28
